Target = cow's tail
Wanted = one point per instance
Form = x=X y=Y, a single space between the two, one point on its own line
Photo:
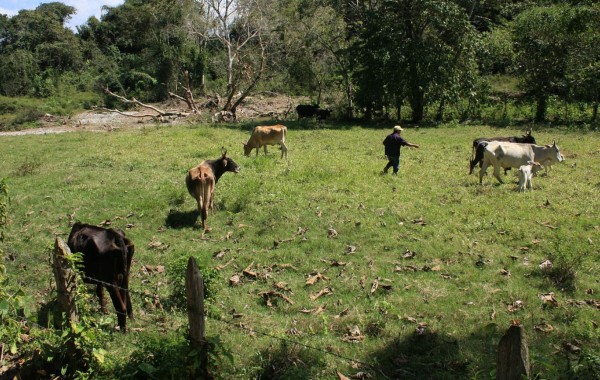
x=124 y=256
x=478 y=156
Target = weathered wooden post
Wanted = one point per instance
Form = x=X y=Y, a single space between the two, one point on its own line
x=513 y=355
x=66 y=283
x=194 y=290
x=66 y=287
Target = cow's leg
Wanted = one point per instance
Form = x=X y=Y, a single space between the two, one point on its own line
x=522 y=183
x=130 y=251
x=265 y=147
x=120 y=305
x=497 y=173
x=100 y=294
x=284 y=150
x=482 y=171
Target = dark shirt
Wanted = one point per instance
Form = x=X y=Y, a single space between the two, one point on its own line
x=392 y=143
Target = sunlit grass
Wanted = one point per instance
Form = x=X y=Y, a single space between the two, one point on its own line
x=476 y=248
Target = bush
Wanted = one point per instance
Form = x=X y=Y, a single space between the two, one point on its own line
x=176 y=271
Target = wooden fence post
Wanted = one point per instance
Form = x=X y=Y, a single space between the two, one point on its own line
x=66 y=284
x=66 y=287
x=513 y=355
x=194 y=290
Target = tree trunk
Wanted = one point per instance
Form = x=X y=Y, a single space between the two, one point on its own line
x=540 y=112
x=595 y=112
x=417 y=103
x=348 y=86
x=440 y=113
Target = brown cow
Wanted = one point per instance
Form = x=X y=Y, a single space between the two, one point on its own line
x=107 y=258
x=201 y=181
x=267 y=135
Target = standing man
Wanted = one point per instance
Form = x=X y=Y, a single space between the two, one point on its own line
x=392 y=144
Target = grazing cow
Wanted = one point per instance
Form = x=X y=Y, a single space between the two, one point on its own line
x=267 y=135
x=512 y=155
x=323 y=113
x=526 y=172
x=306 y=110
x=107 y=258
x=201 y=181
x=478 y=151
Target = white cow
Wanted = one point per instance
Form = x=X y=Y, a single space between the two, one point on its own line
x=525 y=173
x=512 y=155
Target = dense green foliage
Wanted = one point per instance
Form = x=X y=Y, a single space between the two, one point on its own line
x=460 y=261
x=367 y=59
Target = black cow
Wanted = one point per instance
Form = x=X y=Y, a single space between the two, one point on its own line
x=323 y=113
x=306 y=110
x=107 y=258
x=478 y=148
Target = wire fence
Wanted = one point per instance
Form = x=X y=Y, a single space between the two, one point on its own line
x=239 y=326
x=248 y=329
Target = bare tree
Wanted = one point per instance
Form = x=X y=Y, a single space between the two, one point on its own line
x=241 y=29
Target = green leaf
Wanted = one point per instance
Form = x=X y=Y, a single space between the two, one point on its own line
x=147 y=368
x=99 y=354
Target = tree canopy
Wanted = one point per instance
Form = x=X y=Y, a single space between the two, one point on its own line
x=366 y=58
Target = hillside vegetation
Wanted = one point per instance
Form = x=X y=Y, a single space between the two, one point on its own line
x=456 y=263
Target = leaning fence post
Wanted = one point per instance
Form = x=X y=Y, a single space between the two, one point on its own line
x=513 y=355
x=66 y=287
x=194 y=290
x=66 y=283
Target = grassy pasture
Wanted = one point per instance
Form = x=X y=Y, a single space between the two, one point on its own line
x=462 y=259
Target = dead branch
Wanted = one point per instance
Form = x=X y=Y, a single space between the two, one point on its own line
x=160 y=112
x=189 y=97
x=123 y=113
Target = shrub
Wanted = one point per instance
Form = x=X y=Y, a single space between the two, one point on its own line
x=176 y=271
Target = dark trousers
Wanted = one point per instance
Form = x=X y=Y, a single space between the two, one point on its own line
x=393 y=162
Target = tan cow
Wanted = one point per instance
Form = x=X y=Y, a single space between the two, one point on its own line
x=267 y=135
x=201 y=181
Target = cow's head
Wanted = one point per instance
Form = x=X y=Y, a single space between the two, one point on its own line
x=228 y=163
x=527 y=138
x=556 y=152
x=247 y=149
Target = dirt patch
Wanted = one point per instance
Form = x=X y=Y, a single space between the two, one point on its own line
x=267 y=105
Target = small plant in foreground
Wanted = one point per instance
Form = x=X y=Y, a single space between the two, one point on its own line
x=564 y=264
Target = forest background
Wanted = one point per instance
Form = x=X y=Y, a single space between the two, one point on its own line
x=421 y=61
x=482 y=64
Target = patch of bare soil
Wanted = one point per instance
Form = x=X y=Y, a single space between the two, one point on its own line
x=265 y=105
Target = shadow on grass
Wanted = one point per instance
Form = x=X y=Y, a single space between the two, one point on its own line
x=428 y=356
x=289 y=362
x=181 y=219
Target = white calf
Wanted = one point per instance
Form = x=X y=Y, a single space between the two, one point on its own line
x=526 y=172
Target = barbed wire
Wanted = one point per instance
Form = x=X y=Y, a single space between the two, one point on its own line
x=239 y=326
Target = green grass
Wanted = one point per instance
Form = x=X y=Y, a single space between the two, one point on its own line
x=278 y=212
x=26 y=112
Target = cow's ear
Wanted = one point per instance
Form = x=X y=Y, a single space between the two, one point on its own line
x=224 y=152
